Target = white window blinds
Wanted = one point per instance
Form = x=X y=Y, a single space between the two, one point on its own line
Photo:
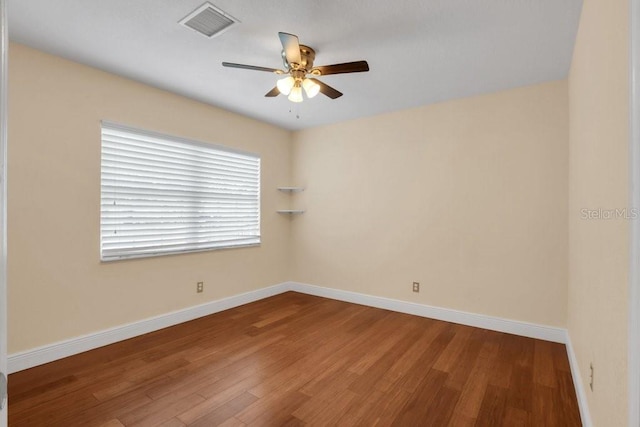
x=164 y=195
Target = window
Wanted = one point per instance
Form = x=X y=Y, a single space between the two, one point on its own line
x=164 y=195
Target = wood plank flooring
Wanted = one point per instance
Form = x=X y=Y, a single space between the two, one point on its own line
x=295 y=359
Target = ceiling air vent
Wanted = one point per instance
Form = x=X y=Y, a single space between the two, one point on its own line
x=209 y=21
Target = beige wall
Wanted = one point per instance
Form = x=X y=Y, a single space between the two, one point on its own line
x=467 y=197
x=58 y=289
x=598 y=249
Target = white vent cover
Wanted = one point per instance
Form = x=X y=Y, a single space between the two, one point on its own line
x=209 y=20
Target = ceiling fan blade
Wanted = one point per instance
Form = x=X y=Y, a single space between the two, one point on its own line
x=252 y=67
x=347 y=67
x=273 y=92
x=327 y=90
x=291 y=47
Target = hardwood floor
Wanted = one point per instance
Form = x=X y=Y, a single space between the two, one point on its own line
x=295 y=359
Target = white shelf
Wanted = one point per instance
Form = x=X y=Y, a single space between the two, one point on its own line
x=291 y=189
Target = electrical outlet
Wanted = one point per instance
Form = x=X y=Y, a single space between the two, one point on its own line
x=591 y=376
x=199 y=287
x=416 y=287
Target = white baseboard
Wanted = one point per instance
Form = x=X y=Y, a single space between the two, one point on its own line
x=578 y=384
x=48 y=353
x=531 y=330
x=547 y=333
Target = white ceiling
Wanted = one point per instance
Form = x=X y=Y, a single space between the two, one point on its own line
x=419 y=51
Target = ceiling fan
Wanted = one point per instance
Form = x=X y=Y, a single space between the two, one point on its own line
x=298 y=64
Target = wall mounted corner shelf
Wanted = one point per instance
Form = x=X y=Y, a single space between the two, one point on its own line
x=291 y=189
x=290 y=211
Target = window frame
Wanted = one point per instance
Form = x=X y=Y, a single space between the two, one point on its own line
x=256 y=240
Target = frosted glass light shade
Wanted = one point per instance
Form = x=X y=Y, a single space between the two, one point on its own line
x=285 y=85
x=310 y=87
x=296 y=94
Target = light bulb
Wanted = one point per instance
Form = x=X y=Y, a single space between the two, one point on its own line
x=285 y=85
x=296 y=94
x=310 y=87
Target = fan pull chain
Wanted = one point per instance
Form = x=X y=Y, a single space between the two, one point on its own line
x=297 y=112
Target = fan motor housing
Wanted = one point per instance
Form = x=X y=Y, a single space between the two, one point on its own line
x=307 y=56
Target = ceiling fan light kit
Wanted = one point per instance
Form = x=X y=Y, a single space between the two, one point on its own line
x=298 y=63
x=296 y=93
x=285 y=85
x=311 y=88
x=291 y=87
